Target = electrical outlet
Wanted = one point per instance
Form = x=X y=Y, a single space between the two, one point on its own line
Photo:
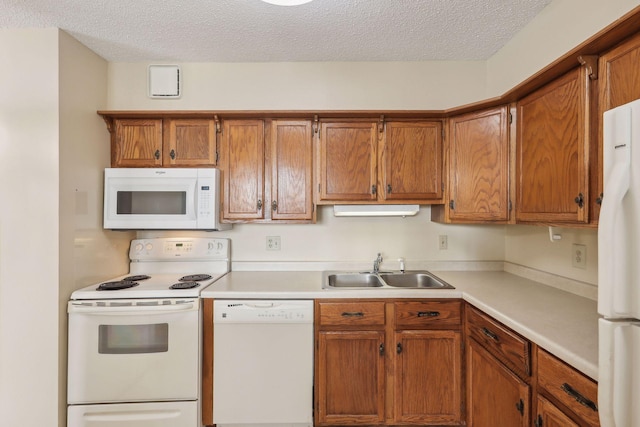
x=443 y=242
x=273 y=243
x=579 y=256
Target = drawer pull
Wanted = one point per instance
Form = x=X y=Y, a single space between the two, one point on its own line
x=490 y=334
x=578 y=397
x=428 y=313
x=352 y=314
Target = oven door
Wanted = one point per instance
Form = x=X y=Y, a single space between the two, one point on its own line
x=155 y=414
x=133 y=350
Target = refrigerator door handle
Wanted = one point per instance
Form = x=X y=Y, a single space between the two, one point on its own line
x=613 y=291
x=618 y=374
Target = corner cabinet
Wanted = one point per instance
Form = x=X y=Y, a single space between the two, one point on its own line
x=498 y=373
x=379 y=162
x=267 y=171
x=477 y=169
x=388 y=362
x=151 y=142
x=552 y=152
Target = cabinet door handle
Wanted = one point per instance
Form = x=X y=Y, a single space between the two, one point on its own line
x=452 y=204
x=578 y=397
x=156 y=154
x=172 y=154
x=538 y=421
x=274 y=205
x=399 y=348
x=490 y=334
x=259 y=204
x=389 y=188
x=520 y=407
x=428 y=313
x=599 y=199
x=352 y=314
x=381 y=349
x=373 y=189
x=579 y=200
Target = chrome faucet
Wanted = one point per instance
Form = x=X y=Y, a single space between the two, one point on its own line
x=376 y=263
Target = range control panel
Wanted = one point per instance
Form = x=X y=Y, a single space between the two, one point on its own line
x=166 y=248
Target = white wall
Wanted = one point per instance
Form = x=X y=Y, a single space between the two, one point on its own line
x=88 y=254
x=29 y=227
x=560 y=27
x=305 y=86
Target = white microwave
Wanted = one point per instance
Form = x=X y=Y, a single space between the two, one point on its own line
x=162 y=199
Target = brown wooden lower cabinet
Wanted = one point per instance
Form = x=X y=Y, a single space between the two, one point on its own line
x=495 y=395
x=550 y=416
x=388 y=363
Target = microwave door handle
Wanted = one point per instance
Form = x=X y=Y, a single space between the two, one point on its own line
x=128 y=310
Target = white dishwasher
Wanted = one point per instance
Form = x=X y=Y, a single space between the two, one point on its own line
x=263 y=362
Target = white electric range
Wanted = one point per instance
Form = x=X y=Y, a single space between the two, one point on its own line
x=134 y=340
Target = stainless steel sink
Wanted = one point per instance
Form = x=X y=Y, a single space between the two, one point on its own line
x=353 y=280
x=415 y=279
x=409 y=280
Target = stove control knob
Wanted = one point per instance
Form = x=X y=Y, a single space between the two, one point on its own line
x=138 y=247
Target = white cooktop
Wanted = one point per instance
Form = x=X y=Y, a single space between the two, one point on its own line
x=161 y=263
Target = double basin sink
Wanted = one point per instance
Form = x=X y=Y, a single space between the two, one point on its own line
x=370 y=280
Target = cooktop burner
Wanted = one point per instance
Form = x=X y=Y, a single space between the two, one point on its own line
x=136 y=277
x=184 y=285
x=114 y=286
x=195 y=277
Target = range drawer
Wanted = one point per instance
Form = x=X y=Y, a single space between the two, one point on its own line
x=574 y=390
x=351 y=313
x=506 y=345
x=428 y=314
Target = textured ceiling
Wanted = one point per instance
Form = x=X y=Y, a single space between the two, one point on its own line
x=253 y=31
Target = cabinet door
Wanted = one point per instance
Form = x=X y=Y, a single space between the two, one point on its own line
x=428 y=377
x=191 y=142
x=350 y=378
x=412 y=161
x=137 y=143
x=479 y=167
x=495 y=396
x=552 y=152
x=348 y=162
x=550 y=416
x=242 y=164
x=291 y=170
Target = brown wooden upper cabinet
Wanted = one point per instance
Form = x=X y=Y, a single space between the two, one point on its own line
x=380 y=162
x=552 y=152
x=267 y=170
x=291 y=161
x=477 y=168
x=163 y=143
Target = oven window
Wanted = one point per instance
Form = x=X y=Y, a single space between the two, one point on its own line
x=152 y=203
x=133 y=339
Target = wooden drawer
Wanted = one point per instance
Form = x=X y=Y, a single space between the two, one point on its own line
x=506 y=345
x=427 y=315
x=351 y=313
x=574 y=390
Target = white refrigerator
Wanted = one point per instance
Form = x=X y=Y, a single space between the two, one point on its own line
x=619 y=270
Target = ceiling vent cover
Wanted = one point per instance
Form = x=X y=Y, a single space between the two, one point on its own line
x=164 y=81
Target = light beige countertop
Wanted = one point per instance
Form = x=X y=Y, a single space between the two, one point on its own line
x=562 y=323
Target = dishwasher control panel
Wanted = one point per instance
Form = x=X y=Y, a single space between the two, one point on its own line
x=263 y=311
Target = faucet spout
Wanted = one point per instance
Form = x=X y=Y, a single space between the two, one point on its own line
x=376 y=263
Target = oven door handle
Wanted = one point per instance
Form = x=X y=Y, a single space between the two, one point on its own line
x=132 y=416
x=128 y=310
